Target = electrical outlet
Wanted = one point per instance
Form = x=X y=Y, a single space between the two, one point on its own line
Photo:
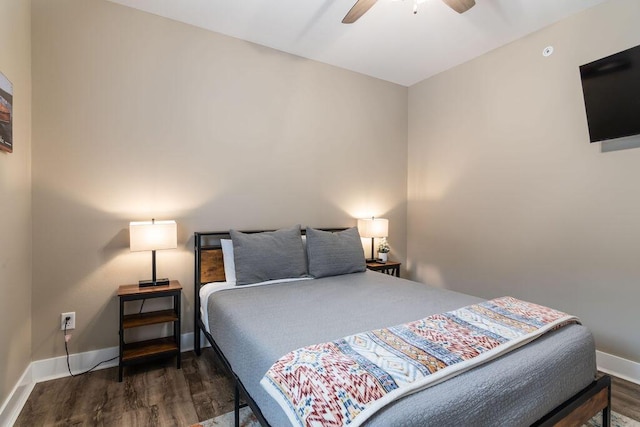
x=71 y=324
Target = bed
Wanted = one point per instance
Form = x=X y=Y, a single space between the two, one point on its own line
x=551 y=381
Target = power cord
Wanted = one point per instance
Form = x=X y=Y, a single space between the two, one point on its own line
x=66 y=349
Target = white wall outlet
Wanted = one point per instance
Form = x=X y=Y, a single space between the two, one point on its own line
x=71 y=324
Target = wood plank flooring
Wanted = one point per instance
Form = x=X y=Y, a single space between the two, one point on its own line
x=625 y=398
x=160 y=395
x=153 y=394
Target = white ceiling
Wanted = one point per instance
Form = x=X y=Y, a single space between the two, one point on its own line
x=389 y=42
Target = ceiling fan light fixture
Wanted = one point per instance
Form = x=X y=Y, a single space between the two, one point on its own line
x=362 y=6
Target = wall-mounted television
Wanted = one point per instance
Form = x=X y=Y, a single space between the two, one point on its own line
x=611 y=89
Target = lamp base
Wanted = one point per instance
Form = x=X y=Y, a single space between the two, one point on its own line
x=158 y=282
x=370 y=260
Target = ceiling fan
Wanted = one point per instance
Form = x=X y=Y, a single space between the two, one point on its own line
x=361 y=7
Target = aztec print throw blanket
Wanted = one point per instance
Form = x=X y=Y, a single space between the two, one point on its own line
x=344 y=382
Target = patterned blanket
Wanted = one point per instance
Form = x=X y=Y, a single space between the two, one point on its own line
x=344 y=382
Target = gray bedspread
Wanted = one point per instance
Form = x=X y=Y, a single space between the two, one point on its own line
x=256 y=326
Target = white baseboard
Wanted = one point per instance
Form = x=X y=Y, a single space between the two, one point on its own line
x=619 y=367
x=56 y=367
x=12 y=406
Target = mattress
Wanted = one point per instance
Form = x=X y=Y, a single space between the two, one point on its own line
x=254 y=326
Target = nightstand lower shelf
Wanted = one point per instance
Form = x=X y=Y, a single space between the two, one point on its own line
x=143 y=350
x=150 y=318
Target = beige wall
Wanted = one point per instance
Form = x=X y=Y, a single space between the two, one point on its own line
x=137 y=116
x=507 y=196
x=15 y=199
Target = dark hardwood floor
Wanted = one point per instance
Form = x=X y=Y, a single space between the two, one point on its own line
x=625 y=398
x=153 y=394
x=160 y=395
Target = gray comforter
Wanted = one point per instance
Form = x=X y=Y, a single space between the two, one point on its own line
x=255 y=326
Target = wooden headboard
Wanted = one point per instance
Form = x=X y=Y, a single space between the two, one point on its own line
x=212 y=266
x=208 y=257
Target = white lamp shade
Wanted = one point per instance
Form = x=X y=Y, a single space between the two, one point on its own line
x=151 y=236
x=373 y=227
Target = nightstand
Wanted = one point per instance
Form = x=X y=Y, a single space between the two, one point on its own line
x=389 y=267
x=142 y=351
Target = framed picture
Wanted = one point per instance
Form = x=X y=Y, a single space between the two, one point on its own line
x=6 y=114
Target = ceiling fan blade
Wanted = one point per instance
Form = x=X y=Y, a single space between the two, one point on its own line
x=460 y=6
x=358 y=10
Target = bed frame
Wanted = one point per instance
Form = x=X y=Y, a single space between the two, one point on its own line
x=209 y=267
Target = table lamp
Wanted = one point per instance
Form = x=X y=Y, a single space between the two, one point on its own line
x=152 y=236
x=373 y=228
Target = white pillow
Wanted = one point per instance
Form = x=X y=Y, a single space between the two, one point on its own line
x=229 y=262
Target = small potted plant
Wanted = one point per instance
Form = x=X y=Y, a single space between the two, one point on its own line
x=383 y=250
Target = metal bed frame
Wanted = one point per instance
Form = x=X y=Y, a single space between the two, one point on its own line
x=209 y=267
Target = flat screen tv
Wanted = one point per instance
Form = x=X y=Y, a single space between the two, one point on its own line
x=611 y=89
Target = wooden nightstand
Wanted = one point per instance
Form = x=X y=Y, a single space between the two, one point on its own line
x=389 y=267
x=141 y=351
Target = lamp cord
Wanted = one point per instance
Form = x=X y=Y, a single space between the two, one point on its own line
x=66 y=349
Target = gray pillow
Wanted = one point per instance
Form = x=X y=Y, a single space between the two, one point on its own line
x=332 y=254
x=268 y=255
